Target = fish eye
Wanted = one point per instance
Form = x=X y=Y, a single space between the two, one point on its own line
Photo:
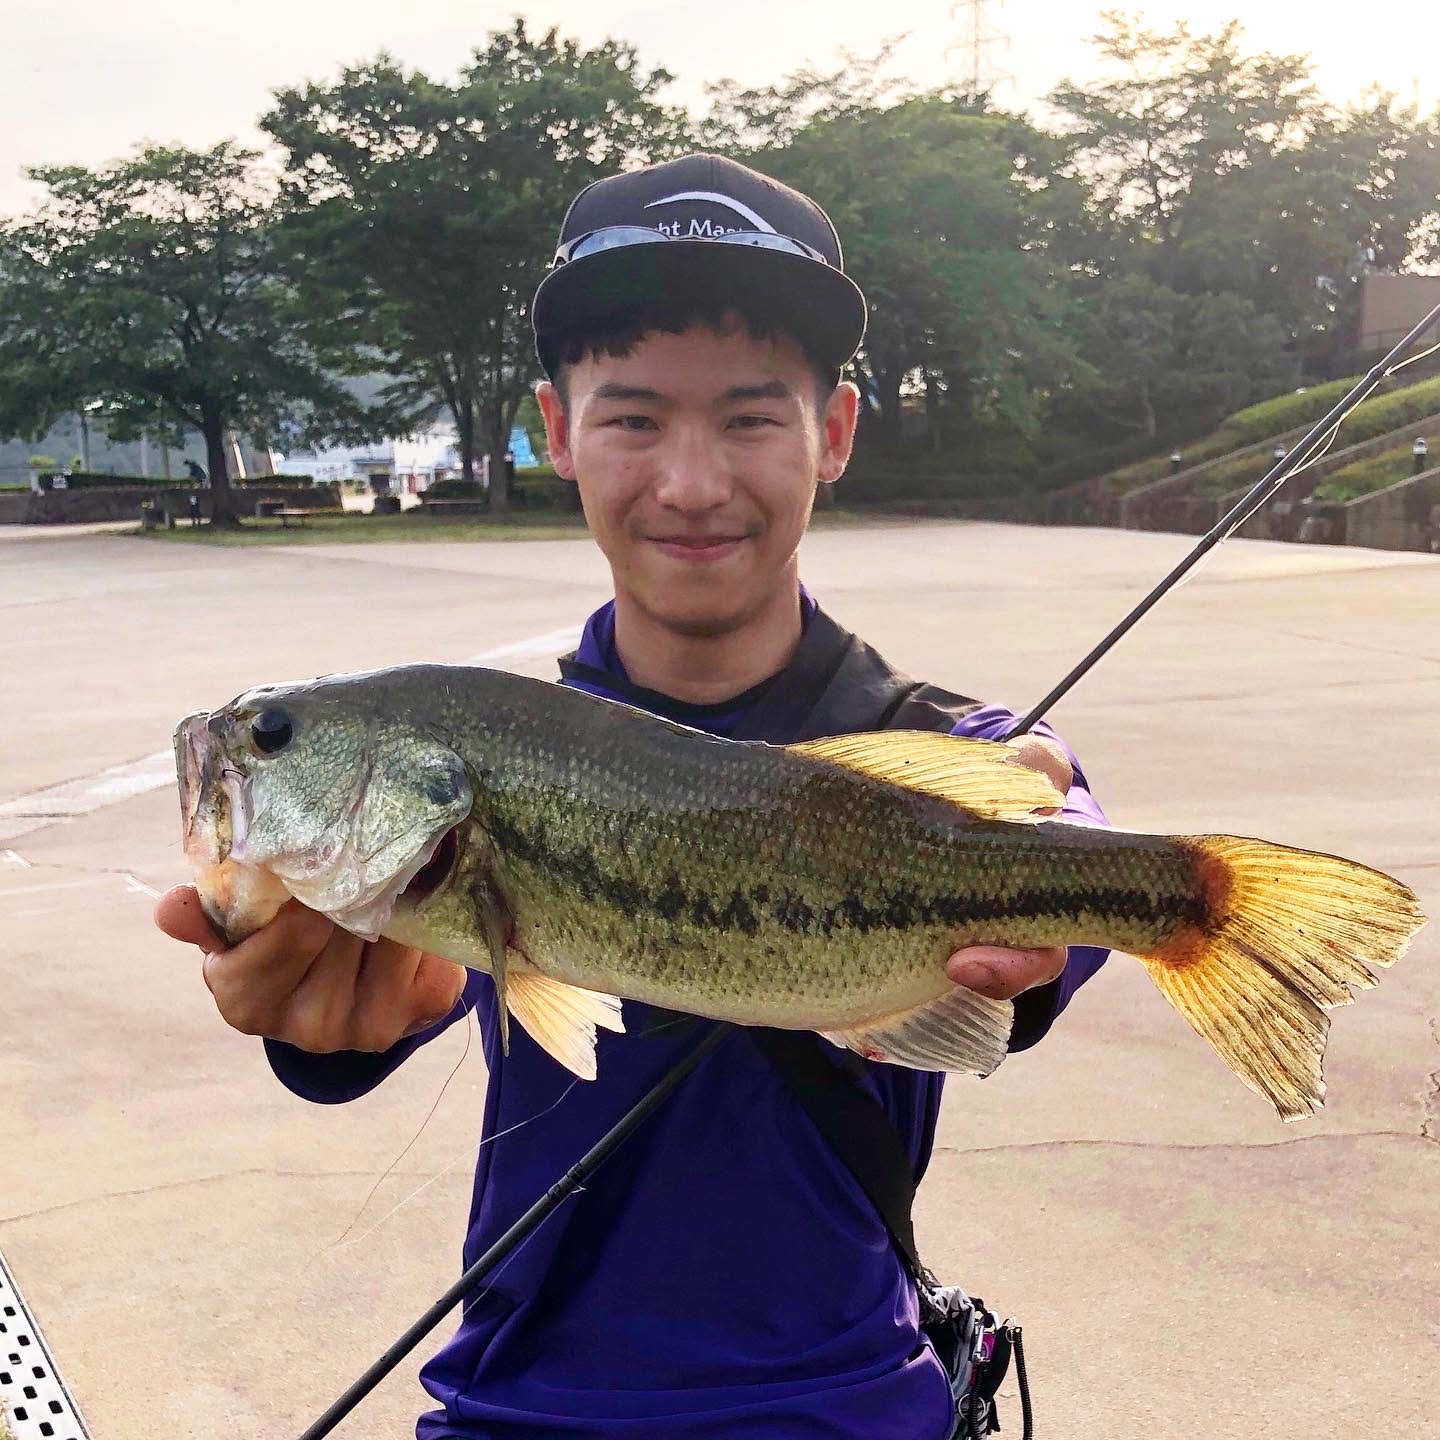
x=271 y=730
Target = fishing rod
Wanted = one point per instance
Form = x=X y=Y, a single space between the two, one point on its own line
x=475 y=1277
x=1316 y=441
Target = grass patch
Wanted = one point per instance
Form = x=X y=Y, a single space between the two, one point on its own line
x=1374 y=418
x=1365 y=477
x=371 y=529
x=378 y=529
x=1274 y=417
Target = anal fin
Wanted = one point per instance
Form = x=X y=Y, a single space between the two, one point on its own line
x=982 y=776
x=562 y=1019
x=962 y=1031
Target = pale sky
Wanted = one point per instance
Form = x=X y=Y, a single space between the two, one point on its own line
x=85 y=80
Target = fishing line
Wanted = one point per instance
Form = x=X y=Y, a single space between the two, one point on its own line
x=450 y=1165
x=340 y=1239
x=478 y=1277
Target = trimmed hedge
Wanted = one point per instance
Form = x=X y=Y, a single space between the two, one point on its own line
x=96 y=480
x=1285 y=412
x=538 y=488
x=1244 y=428
x=1364 y=477
x=453 y=490
x=1375 y=417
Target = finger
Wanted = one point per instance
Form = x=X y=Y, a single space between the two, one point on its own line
x=1046 y=756
x=253 y=982
x=400 y=991
x=318 y=1013
x=1003 y=973
x=439 y=984
x=180 y=915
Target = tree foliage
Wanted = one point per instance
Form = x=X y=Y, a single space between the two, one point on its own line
x=423 y=214
x=152 y=286
x=1189 y=239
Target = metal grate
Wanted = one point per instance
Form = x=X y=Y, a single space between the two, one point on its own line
x=34 y=1400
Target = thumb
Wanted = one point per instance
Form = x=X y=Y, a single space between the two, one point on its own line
x=180 y=915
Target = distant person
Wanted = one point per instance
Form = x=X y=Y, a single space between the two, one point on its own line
x=195 y=472
x=193 y=505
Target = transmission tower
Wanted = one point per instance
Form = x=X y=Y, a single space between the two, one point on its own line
x=977 y=38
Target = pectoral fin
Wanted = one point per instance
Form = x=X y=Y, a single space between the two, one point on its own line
x=982 y=776
x=562 y=1019
x=961 y=1031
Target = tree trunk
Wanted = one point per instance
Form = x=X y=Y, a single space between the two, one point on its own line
x=499 y=442
x=887 y=391
x=932 y=413
x=222 y=501
x=465 y=430
x=1147 y=410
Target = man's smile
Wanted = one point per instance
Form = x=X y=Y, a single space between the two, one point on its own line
x=699 y=547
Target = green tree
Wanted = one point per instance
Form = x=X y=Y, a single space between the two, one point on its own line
x=151 y=285
x=953 y=219
x=424 y=214
x=1225 y=173
x=1182 y=115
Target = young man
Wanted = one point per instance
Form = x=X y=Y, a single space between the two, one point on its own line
x=724 y=1275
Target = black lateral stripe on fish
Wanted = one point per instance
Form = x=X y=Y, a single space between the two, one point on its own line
x=579 y=849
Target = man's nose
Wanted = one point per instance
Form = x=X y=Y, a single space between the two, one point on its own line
x=691 y=475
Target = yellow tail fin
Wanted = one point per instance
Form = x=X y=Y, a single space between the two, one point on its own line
x=1289 y=933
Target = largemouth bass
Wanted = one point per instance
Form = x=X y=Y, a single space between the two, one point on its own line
x=580 y=850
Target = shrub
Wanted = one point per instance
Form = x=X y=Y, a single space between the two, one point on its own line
x=879 y=479
x=455 y=490
x=92 y=480
x=1285 y=412
x=1364 y=477
x=1375 y=417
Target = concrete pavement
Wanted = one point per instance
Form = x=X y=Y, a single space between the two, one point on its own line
x=1182 y=1262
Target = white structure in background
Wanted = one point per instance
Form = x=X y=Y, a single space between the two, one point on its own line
x=387 y=467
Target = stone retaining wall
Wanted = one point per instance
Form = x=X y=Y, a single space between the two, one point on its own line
x=77 y=507
x=1398 y=517
x=1161 y=500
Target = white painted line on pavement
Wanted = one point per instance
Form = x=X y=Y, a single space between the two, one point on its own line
x=154 y=772
x=139 y=887
x=80 y=797
x=74 y=883
x=553 y=642
x=11 y=858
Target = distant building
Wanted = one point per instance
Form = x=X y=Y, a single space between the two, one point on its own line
x=1391 y=305
x=404 y=467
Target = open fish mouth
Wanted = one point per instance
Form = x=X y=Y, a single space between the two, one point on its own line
x=213 y=808
x=237 y=898
x=190 y=752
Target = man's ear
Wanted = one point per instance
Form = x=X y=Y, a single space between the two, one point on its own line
x=837 y=431
x=557 y=429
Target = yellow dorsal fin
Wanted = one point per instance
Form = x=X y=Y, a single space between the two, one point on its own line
x=982 y=776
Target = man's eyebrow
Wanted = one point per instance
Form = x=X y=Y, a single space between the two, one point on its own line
x=767 y=390
x=614 y=390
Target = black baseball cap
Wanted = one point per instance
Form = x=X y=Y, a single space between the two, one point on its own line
x=701 y=229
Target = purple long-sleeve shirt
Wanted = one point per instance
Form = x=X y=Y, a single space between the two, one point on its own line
x=722 y=1276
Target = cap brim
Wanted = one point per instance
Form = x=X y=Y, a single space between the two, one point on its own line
x=821 y=306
